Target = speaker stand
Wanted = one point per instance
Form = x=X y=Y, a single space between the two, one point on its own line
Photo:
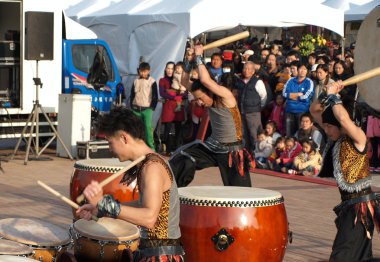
x=33 y=119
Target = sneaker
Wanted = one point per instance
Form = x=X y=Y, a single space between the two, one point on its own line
x=371 y=169
x=307 y=173
x=270 y=165
x=292 y=172
x=377 y=170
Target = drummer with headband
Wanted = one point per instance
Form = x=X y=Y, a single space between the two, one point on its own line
x=224 y=147
x=345 y=158
x=157 y=211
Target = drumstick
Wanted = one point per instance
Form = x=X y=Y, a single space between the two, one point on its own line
x=65 y=199
x=361 y=77
x=227 y=40
x=80 y=198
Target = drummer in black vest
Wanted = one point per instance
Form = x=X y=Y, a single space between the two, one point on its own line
x=224 y=147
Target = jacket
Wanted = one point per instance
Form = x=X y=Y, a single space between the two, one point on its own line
x=302 y=104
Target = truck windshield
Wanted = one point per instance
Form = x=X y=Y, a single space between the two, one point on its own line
x=83 y=56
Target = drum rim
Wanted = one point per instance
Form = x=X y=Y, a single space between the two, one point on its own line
x=15 y=258
x=97 y=166
x=82 y=233
x=228 y=201
x=34 y=244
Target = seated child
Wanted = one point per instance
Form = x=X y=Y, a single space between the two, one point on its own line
x=263 y=149
x=279 y=148
x=285 y=161
x=282 y=77
x=309 y=160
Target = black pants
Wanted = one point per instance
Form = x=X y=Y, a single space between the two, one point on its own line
x=184 y=167
x=351 y=242
x=375 y=141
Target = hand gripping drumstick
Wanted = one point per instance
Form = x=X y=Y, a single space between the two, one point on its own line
x=80 y=198
x=227 y=40
x=65 y=199
x=361 y=77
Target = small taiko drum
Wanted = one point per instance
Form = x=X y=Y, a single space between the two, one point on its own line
x=9 y=258
x=48 y=241
x=88 y=170
x=12 y=248
x=232 y=224
x=105 y=240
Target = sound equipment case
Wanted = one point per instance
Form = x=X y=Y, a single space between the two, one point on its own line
x=93 y=149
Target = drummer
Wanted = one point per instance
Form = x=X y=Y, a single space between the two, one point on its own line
x=346 y=159
x=157 y=211
x=224 y=148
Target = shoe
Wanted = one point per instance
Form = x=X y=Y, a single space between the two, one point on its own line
x=371 y=169
x=270 y=165
x=377 y=170
x=259 y=164
x=307 y=173
x=292 y=172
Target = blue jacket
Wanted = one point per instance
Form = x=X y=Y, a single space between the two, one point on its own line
x=302 y=104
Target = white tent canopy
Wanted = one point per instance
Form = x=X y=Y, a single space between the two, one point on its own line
x=354 y=10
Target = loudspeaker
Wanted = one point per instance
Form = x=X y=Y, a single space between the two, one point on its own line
x=39 y=35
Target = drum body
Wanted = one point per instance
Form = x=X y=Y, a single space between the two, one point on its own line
x=233 y=224
x=99 y=169
x=13 y=248
x=104 y=240
x=47 y=240
x=367 y=57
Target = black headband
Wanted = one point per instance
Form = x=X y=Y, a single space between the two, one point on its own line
x=328 y=117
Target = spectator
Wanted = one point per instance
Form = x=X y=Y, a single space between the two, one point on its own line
x=309 y=132
x=271 y=130
x=286 y=159
x=341 y=73
x=373 y=133
x=143 y=99
x=323 y=79
x=309 y=160
x=252 y=98
x=279 y=148
x=177 y=86
x=263 y=149
x=298 y=92
x=292 y=55
x=215 y=68
x=278 y=113
x=282 y=78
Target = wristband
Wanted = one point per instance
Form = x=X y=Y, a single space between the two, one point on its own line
x=199 y=60
x=332 y=100
x=108 y=206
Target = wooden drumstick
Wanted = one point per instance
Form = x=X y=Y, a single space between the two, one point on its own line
x=80 y=198
x=227 y=40
x=361 y=77
x=65 y=199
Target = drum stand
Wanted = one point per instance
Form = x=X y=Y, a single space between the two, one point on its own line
x=33 y=119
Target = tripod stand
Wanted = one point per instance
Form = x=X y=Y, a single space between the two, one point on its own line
x=34 y=120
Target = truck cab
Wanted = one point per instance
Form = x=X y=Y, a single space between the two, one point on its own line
x=77 y=59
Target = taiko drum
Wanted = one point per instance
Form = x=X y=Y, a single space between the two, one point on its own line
x=233 y=224
x=88 y=170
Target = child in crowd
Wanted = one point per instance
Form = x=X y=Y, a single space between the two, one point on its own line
x=309 y=160
x=271 y=130
x=278 y=113
x=176 y=85
x=279 y=148
x=263 y=149
x=285 y=161
x=282 y=78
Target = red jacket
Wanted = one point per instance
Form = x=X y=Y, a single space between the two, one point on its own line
x=289 y=155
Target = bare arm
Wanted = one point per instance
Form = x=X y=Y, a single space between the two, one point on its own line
x=221 y=91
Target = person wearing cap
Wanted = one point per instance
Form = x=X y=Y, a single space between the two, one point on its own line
x=246 y=55
x=313 y=72
x=346 y=159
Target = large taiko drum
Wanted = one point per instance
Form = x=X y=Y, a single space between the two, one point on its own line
x=367 y=57
x=99 y=169
x=13 y=248
x=48 y=241
x=233 y=224
x=105 y=240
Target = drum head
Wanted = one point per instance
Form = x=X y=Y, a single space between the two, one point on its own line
x=33 y=232
x=110 y=165
x=7 y=258
x=8 y=247
x=229 y=196
x=107 y=229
